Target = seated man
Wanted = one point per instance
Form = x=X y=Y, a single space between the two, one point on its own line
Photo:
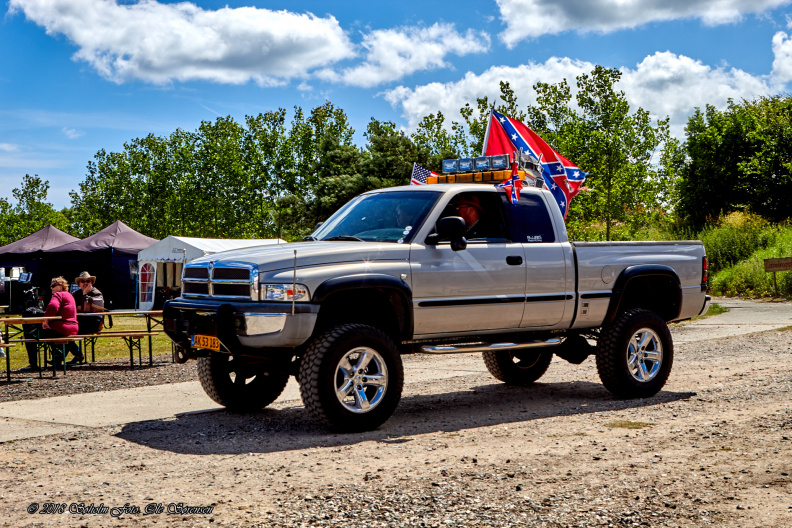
x=469 y=208
x=89 y=300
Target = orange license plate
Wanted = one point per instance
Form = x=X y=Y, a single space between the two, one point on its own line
x=206 y=342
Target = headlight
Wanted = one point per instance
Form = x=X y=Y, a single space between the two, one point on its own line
x=284 y=292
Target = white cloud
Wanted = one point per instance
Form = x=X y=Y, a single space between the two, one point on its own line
x=782 y=50
x=665 y=84
x=533 y=18
x=8 y=147
x=450 y=97
x=395 y=53
x=72 y=133
x=160 y=43
x=673 y=85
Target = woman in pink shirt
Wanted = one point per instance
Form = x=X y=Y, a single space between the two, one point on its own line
x=62 y=304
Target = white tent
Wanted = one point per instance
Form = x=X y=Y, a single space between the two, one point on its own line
x=160 y=265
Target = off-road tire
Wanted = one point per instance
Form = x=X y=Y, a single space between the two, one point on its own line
x=518 y=367
x=321 y=373
x=254 y=386
x=614 y=352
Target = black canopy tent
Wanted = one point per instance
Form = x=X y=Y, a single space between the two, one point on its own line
x=28 y=253
x=110 y=255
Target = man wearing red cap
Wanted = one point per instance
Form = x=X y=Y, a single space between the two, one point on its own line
x=469 y=208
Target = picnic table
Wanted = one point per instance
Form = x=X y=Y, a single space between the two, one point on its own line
x=131 y=338
x=13 y=330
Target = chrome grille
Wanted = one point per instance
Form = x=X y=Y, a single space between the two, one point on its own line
x=222 y=280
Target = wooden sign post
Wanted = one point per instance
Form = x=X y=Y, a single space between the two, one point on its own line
x=777 y=264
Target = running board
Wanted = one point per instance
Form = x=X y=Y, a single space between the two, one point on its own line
x=483 y=347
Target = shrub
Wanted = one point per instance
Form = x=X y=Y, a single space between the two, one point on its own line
x=735 y=237
x=749 y=278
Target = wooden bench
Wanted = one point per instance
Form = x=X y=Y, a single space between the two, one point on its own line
x=47 y=345
x=131 y=338
x=7 y=356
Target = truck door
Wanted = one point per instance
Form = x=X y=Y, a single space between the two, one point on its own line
x=546 y=267
x=479 y=288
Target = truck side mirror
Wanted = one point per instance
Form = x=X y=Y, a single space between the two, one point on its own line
x=449 y=228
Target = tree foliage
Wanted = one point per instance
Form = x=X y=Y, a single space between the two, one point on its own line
x=278 y=173
x=624 y=153
x=31 y=212
x=740 y=159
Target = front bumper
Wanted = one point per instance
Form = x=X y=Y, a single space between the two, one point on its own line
x=240 y=324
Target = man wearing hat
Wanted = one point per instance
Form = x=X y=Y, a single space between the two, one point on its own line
x=88 y=299
x=470 y=209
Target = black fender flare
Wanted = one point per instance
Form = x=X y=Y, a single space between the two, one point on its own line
x=631 y=273
x=371 y=281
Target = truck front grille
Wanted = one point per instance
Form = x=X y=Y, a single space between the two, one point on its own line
x=222 y=280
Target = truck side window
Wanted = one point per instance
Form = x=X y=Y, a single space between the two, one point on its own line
x=534 y=219
x=484 y=215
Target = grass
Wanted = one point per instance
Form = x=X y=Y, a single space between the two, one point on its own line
x=627 y=424
x=734 y=238
x=106 y=348
x=748 y=277
x=714 y=309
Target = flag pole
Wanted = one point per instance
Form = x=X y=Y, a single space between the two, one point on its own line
x=486 y=133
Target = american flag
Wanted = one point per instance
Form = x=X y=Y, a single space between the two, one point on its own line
x=419 y=175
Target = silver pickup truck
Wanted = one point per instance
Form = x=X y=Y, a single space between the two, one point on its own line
x=407 y=270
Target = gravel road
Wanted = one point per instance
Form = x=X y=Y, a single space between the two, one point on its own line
x=714 y=448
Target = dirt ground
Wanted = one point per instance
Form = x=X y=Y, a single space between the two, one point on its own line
x=714 y=448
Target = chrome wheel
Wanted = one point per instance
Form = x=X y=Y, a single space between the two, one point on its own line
x=644 y=355
x=635 y=354
x=351 y=377
x=361 y=379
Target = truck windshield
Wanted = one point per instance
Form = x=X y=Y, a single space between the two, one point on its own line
x=380 y=217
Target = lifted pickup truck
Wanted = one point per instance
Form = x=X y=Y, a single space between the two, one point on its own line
x=398 y=271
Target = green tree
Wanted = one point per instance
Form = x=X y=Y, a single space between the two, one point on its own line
x=32 y=211
x=740 y=158
x=615 y=144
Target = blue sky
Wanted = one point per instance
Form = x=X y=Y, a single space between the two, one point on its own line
x=77 y=76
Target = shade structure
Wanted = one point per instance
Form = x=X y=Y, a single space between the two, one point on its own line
x=45 y=238
x=28 y=253
x=110 y=255
x=160 y=265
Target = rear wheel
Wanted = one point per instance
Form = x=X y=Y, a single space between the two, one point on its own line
x=351 y=378
x=518 y=367
x=241 y=384
x=635 y=354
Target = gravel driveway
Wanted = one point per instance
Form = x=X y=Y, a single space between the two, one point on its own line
x=714 y=448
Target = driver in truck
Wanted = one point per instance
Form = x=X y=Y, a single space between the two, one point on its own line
x=469 y=208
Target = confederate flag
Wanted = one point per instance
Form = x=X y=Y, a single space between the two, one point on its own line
x=562 y=177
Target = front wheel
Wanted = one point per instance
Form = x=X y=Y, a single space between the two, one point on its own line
x=351 y=378
x=241 y=384
x=635 y=354
x=518 y=367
